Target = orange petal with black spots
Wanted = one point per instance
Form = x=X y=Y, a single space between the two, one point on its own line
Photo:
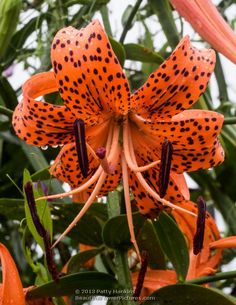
x=40 y=123
x=12 y=289
x=88 y=73
x=147 y=204
x=66 y=166
x=177 y=83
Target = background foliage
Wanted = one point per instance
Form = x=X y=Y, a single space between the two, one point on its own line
x=28 y=50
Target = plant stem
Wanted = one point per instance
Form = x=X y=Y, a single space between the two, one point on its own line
x=213 y=278
x=129 y=21
x=6 y=111
x=228 y=121
x=121 y=256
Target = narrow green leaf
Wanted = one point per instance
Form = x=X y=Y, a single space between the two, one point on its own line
x=7 y=94
x=105 y=19
x=149 y=241
x=173 y=243
x=6 y=111
x=141 y=53
x=78 y=260
x=187 y=294
x=116 y=231
x=78 y=284
x=119 y=50
x=220 y=78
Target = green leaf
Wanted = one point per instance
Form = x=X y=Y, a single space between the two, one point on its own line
x=118 y=49
x=141 y=53
x=116 y=231
x=42 y=174
x=78 y=284
x=12 y=208
x=173 y=243
x=78 y=260
x=126 y=15
x=7 y=94
x=42 y=210
x=187 y=294
x=149 y=241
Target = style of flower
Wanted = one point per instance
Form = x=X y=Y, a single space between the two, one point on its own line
x=211 y=26
x=123 y=133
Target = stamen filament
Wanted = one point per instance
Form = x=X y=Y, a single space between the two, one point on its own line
x=128 y=158
x=128 y=206
x=86 y=206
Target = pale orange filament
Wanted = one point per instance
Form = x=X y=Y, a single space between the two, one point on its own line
x=128 y=205
x=143 y=182
x=86 y=206
x=227 y=242
x=131 y=164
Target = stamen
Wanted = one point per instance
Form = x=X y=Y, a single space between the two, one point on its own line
x=111 y=146
x=128 y=158
x=107 y=167
x=164 y=173
x=102 y=176
x=141 y=275
x=149 y=189
x=128 y=206
x=80 y=141
x=199 y=235
x=41 y=231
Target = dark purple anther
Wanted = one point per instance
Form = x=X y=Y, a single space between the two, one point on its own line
x=41 y=230
x=165 y=165
x=80 y=141
x=199 y=235
x=32 y=206
x=101 y=152
x=141 y=275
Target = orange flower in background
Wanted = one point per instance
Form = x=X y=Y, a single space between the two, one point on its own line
x=11 y=289
x=123 y=133
x=211 y=26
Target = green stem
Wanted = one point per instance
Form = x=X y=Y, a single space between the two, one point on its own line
x=163 y=11
x=229 y=121
x=121 y=257
x=129 y=21
x=213 y=278
x=6 y=111
x=106 y=21
x=220 y=78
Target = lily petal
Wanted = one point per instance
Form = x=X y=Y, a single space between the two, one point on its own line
x=88 y=73
x=12 y=289
x=177 y=83
x=40 y=123
x=207 y=21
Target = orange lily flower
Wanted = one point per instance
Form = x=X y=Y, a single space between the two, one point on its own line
x=124 y=133
x=211 y=26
